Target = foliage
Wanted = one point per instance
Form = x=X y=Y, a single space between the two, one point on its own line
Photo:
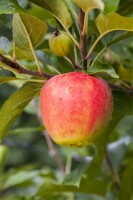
x=31 y=166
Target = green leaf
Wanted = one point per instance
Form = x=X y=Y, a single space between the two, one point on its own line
x=112 y=22
x=123 y=103
x=119 y=38
x=42 y=14
x=111 y=6
x=14 y=106
x=26 y=130
x=126 y=190
x=57 y=8
x=4 y=66
x=10 y=7
x=75 y=176
x=4 y=44
x=5 y=79
x=22 y=54
x=23 y=3
x=3 y=154
x=19 y=177
x=89 y=186
x=100 y=67
x=26 y=29
x=86 y=5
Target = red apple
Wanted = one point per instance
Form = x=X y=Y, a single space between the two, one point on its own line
x=75 y=108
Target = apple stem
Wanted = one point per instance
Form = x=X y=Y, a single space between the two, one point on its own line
x=82 y=38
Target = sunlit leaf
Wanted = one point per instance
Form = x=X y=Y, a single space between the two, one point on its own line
x=112 y=22
x=86 y=5
x=111 y=6
x=57 y=8
x=5 y=79
x=26 y=29
x=22 y=54
x=3 y=153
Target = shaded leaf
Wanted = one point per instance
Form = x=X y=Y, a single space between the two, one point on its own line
x=19 y=177
x=90 y=186
x=26 y=130
x=117 y=151
x=126 y=190
x=4 y=44
x=86 y=5
x=27 y=28
x=10 y=7
x=14 y=106
x=119 y=38
x=100 y=67
x=75 y=176
x=123 y=103
x=22 y=3
x=57 y=8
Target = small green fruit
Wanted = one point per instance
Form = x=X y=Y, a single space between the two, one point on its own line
x=60 y=44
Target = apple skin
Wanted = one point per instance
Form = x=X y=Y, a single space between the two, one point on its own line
x=76 y=108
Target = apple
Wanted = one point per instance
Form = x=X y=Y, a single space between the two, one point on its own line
x=75 y=108
x=61 y=44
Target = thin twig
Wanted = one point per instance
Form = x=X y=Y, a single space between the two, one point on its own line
x=68 y=164
x=93 y=46
x=21 y=70
x=82 y=38
x=53 y=152
x=121 y=88
x=112 y=170
x=97 y=56
x=50 y=143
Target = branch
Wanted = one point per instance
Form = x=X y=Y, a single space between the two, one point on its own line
x=118 y=87
x=21 y=70
x=82 y=37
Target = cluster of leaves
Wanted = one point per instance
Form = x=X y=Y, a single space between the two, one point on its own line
x=25 y=27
